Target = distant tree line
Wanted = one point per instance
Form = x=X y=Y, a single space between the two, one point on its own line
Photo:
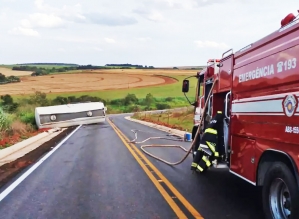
x=9 y=79
x=38 y=71
x=128 y=66
x=109 y=66
x=45 y=63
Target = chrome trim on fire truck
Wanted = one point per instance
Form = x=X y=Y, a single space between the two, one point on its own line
x=268 y=106
x=247 y=180
x=260 y=114
x=226 y=103
x=268 y=97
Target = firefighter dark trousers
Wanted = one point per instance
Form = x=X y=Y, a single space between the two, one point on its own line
x=206 y=151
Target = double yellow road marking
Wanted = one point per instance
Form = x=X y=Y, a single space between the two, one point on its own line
x=157 y=182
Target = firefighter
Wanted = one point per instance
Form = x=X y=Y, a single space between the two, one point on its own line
x=210 y=144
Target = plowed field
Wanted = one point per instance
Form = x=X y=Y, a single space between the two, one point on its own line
x=93 y=81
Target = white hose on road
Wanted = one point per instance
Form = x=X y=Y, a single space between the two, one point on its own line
x=174 y=146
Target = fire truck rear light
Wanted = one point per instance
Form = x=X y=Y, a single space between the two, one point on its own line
x=288 y=19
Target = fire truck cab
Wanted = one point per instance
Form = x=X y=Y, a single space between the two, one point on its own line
x=258 y=88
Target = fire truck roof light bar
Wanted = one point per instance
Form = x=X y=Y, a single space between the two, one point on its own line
x=282 y=28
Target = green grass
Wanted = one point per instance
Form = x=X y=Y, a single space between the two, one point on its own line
x=180 y=120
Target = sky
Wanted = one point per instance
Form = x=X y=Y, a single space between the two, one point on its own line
x=146 y=32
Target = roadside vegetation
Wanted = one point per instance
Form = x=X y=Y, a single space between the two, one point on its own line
x=9 y=79
x=182 y=120
x=17 y=118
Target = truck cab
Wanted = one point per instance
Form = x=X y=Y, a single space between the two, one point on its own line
x=218 y=100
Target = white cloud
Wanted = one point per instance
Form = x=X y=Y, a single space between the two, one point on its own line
x=74 y=13
x=210 y=44
x=61 y=50
x=24 y=32
x=203 y=3
x=144 y=39
x=43 y=21
x=109 y=40
x=98 y=49
x=151 y=15
x=168 y=4
x=110 y=19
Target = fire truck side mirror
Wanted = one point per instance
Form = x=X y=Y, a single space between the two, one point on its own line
x=185 y=87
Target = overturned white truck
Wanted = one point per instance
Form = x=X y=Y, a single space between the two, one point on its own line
x=70 y=115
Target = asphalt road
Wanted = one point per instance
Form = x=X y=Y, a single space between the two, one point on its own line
x=94 y=175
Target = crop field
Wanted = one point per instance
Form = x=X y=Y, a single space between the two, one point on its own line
x=10 y=72
x=61 y=83
x=148 y=71
x=106 y=83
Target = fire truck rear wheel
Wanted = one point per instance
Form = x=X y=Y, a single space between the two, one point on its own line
x=280 y=193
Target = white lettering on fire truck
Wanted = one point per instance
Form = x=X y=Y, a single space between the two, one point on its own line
x=257 y=73
x=291 y=129
x=268 y=70
x=287 y=65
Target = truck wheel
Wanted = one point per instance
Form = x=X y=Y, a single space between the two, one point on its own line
x=280 y=193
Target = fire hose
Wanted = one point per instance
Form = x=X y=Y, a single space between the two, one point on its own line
x=173 y=146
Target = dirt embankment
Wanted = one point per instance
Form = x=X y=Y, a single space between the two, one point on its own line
x=10 y=170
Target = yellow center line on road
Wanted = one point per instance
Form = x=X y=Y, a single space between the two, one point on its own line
x=156 y=182
x=163 y=192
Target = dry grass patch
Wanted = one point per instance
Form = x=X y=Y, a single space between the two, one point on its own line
x=9 y=72
x=20 y=128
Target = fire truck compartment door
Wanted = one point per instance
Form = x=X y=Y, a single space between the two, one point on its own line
x=225 y=71
x=243 y=157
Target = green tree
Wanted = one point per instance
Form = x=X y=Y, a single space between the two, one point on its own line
x=149 y=99
x=6 y=99
x=130 y=99
x=8 y=104
x=2 y=77
x=39 y=98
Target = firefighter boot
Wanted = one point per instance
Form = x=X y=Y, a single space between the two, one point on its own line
x=204 y=164
x=197 y=159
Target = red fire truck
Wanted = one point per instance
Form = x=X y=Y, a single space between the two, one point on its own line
x=259 y=88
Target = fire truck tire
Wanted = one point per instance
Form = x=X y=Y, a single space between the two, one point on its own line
x=280 y=193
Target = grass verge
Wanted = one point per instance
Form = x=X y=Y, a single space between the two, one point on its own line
x=181 y=120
